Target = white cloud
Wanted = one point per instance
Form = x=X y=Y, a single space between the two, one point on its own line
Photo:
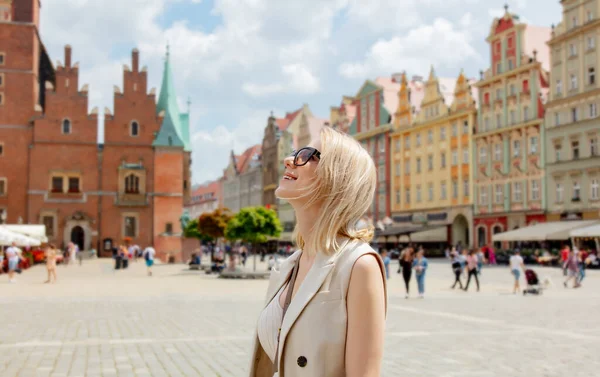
x=216 y=144
x=287 y=52
x=441 y=43
x=297 y=79
x=394 y=15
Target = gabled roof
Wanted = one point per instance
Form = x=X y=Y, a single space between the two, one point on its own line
x=167 y=102
x=367 y=87
x=284 y=123
x=243 y=160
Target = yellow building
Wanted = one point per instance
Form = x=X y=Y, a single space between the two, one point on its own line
x=431 y=160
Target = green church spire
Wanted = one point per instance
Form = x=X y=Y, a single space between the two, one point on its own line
x=175 y=129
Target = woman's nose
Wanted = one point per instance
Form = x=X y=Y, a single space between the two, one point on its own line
x=288 y=162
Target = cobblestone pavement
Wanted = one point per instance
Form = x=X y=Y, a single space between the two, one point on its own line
x=100 y=322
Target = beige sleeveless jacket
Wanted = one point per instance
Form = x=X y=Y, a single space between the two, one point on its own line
x=313 y=333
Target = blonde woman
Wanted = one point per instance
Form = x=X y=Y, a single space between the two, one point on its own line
x=51 y=263
x=326 y=305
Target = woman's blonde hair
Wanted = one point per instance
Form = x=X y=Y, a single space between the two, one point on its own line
x=344 y=188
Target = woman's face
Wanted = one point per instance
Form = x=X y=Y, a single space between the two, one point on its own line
x=296 y=179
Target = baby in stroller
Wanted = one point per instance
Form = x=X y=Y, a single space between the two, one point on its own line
x=533 y=283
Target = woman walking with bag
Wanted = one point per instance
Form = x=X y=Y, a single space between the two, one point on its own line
x=406 y=264
x=472 y=269
x=456 y=269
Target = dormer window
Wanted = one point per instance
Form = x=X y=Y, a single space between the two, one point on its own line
x=66 y=126
x=134 y=128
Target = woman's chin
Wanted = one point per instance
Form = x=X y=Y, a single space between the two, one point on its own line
x=282 y=193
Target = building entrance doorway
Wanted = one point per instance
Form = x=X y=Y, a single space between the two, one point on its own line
x=78 y=237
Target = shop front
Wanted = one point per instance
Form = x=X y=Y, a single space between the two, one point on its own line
x=487 y=226
x=439 y=227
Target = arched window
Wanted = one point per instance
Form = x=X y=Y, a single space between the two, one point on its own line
x=132 y=184
x=135 y=128
x=66 y=126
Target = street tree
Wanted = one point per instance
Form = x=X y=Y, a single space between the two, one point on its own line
x=192 y=230
x=253 y=225
x=213 y=224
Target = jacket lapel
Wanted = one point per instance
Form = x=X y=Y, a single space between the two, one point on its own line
x=315 y=277
x=282 y=276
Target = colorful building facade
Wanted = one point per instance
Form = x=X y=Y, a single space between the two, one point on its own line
x=572 y=122
x=431 y=169
x=509 y=149
x=371 y=126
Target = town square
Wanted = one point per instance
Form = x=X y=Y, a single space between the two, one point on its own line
x=285 y=188
x=96 y=321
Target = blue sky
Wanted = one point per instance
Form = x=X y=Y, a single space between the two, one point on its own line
x=238 y=60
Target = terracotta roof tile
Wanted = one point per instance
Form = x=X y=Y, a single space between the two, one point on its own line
x=213 y=187
x=284 y=123
x=243 y=161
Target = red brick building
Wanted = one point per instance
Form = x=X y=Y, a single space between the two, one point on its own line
x=54 y=171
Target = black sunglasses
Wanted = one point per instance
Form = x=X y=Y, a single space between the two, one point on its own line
x=302 y=156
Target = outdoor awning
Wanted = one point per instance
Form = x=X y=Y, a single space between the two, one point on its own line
x=34 y=231
x=431 y=234
x=394 y=231
x=588 y=231
x=8 y=237
x=551 y=231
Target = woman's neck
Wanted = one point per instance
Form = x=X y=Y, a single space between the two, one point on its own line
x=306 y=219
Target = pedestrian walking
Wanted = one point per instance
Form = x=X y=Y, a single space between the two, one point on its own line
x=406 y=264
x=244 y=254
x=420 y=265
x=67 y=255
x=564 y=256
x=462 y=256
x=471 y=269
x=386 y=262
x=51 y=263
x=492 y=252
x=516 y=266
x=572 y=268
x=149 y=254
x=456 y=269
x=13 y=255
x=74 y=252
x=480 y=259
x=582 y=257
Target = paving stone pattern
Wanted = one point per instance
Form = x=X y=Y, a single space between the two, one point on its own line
x=99 y=322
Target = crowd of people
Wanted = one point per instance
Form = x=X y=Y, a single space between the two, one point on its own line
x=70 y=255
x=467 y=265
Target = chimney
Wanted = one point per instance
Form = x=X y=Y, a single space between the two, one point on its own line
x=135 y=60
x=397 y=77
x=68 y=56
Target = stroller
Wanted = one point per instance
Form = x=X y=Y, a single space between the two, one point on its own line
x=533 y=283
